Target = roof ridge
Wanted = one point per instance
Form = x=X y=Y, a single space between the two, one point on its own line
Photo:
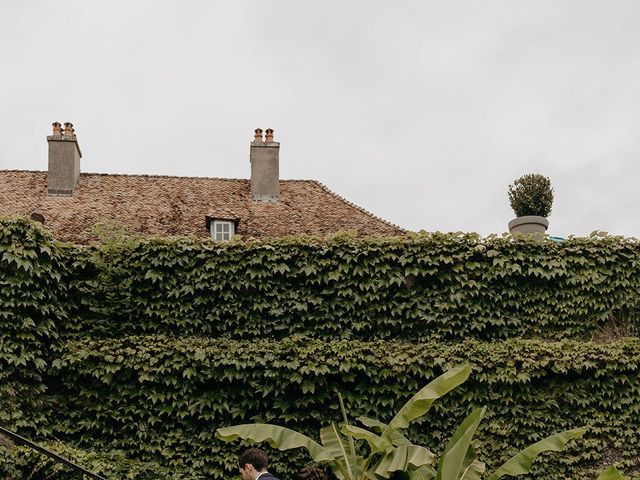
x=357 y=207
x=155 y=175
x=135 y=175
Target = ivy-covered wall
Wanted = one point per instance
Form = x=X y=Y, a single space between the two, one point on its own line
x=434 y=286
x=32 y=305
x=133 y=352
x=160 y=396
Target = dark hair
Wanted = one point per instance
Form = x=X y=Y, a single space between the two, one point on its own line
x=311 y=473
x=255 y=457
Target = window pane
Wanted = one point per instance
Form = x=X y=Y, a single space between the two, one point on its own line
x=222 y=231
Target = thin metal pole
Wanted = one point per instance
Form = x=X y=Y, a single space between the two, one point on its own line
x=23 y=441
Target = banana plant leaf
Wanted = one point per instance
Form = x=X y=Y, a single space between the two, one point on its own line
x=396 y=438
x=278 y=437
x=473 y=471
x=611 y=473
x=421 y=402
x=373 y=423
x=453 y=457
x=422 y=473
x=352 y=443
x=377 y=444
x=346 y=461
x=520 y=463
x=472 y=468
x=403 y=459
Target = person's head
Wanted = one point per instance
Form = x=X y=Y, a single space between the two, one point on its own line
x=252 y=463
x=311 y=473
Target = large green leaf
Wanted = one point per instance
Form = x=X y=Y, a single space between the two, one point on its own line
x=394 y=436
x=373 y=423
x=421 y=402
x=472 y=468
x=520 y=463
x=453 y=457
x=345 y=462
x=352 y=443
x=278 y=437
x=473 y=471
x=397 y=439
x=426 y=472
x=423 y=473
x=403 y=459
x=611 y=473
x=377 y=444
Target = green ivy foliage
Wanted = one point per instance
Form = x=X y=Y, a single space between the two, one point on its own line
x=146 y=346
x=429 y=286
x=22 y=462
x=435 y=286
x=31 y=306
x=164 y=397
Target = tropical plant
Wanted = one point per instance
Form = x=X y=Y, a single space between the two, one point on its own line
x=390 y=451
x=458 y=460
x=531 y=195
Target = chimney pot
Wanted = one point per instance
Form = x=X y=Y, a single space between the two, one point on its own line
x=269 y=135
x=68 y=129
x=257 y=138
x=57 y=128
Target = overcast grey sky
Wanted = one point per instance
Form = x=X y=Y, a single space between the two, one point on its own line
x=422 y=112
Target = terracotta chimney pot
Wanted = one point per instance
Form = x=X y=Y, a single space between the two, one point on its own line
x=68 y=129
x=269 y=135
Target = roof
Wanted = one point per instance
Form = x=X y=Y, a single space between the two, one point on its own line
x=168 y=205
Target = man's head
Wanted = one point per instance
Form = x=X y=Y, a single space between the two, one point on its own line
x=252 y=463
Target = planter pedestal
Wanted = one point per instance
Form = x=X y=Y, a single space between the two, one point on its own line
x=529 y=224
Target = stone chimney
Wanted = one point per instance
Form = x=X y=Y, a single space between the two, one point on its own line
x=64 y=160
x=265 y=174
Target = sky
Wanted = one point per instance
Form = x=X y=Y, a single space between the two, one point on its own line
x=422 y=112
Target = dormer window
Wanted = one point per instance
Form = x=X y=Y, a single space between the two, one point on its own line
x=222 y=230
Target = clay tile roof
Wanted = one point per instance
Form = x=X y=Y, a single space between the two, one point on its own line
x=165 y=205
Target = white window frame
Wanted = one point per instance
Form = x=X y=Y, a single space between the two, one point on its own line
x=222 y=230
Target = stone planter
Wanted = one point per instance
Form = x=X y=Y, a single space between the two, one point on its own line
x=528 y=224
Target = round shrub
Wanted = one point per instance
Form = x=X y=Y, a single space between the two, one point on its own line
x=531 y=195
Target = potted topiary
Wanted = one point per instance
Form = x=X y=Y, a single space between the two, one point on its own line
x=531 y=197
